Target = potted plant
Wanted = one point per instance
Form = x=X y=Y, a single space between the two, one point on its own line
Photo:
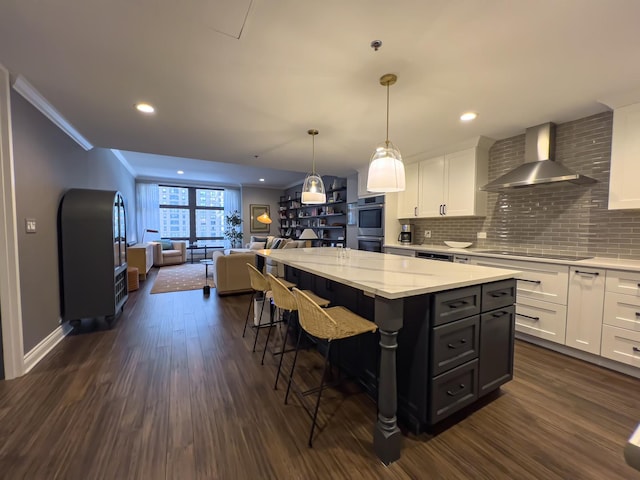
x=232 y=229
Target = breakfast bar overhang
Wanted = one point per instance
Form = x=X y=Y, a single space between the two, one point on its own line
x=457 y=299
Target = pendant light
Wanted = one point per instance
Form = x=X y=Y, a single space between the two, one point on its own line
x=313 y=187
x=386 y=170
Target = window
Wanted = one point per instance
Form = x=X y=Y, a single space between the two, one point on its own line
x=193 y=214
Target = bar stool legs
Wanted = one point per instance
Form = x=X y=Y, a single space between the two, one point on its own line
x=246 y=320
x=255 y=340
x=319 y=389
x=283 y=351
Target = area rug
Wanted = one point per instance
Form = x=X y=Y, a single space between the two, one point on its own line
x=178 y=278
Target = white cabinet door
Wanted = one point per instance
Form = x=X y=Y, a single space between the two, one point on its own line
x=625 y=151
x=460 y=187
x=363 y=174
x=431 y=187
x=585 y=309
x=408 y=200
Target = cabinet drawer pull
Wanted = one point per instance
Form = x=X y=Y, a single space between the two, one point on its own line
x=466 y=259
x=636 y=349
x=529 y=317
x=462 y=342
x=637 y=314
x=498 y=294
x=582 y=272
x=537 y=282
x=415 y=211
x=457 y=304
x=451 y=393
x=499 y=314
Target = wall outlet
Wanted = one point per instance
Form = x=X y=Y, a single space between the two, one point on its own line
x=427 y=234
x=482 y=235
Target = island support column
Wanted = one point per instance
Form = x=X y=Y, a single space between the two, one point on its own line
x=386 y=436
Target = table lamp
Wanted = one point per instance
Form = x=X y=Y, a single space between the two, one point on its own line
x=308 y=235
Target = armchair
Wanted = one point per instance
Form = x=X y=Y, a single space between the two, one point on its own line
x=175 y=256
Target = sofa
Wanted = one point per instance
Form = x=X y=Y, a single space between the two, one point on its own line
x=271 y=266
x=230 y=272
x=169 y=256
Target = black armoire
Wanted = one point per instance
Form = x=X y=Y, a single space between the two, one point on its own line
x=93 y=254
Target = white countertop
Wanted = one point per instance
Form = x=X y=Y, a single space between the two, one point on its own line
x=388 y=276
x=596 y=262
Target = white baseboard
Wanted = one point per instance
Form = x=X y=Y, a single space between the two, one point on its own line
x=37 y=353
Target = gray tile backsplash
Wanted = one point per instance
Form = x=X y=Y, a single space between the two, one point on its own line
x=554 y=218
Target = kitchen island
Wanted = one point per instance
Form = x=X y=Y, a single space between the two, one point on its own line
x=458 y=319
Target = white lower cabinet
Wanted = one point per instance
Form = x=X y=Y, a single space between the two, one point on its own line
x=541 y=301
x=621 y=345
x=621 y=318
x=541 y=319
x=585 y=308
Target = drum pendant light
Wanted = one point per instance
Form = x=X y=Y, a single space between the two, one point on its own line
x=386 y=170
x=313 y=187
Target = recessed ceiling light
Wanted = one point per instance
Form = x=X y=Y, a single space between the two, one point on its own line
x=468 y=116
x=261 y=180
x=145 y=108
x=180 y=172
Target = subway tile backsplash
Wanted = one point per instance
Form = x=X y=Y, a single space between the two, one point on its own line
x=560 y=218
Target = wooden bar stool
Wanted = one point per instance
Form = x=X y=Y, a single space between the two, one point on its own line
x=330 y=324
x=283 y=299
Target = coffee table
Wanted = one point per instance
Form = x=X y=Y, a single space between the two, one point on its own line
x=206 y=262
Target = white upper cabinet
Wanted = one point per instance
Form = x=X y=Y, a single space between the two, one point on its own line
x=449 y=185
x=625 y=154
x=363 y=174
x=408 y=199
x=431 y=187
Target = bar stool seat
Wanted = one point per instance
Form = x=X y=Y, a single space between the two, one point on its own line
x=283 y=299
x=330 y=324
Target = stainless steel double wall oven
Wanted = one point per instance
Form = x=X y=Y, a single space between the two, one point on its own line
x=371 y=223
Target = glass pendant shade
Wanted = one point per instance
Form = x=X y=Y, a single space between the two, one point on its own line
x=386 y=170
x=313 y=187
x=313 y=190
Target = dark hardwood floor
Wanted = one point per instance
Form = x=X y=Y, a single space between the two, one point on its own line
x=173 y=391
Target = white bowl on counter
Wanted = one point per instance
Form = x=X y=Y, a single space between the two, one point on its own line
x=457 y=244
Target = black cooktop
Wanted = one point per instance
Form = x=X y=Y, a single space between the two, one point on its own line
x=535 y=255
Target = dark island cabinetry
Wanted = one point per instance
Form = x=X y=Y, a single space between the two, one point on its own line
x=454 y=347
x=93 y=254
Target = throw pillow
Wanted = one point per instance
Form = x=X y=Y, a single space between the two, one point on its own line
x=166 y=244
x=277 y=242
x=291 y=244
x=258 y=239
x=269 y=242
x=256 y=245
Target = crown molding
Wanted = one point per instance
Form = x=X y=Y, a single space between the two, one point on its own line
x=123 y=161
x=34 y=97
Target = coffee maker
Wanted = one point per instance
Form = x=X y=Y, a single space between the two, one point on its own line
x=405 y=234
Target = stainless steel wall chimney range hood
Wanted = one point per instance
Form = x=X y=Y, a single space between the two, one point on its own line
x=539 y=167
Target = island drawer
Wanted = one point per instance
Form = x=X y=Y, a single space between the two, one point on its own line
x=453 y=390
x=455 y=304
x=454 y=343
x=498 y=294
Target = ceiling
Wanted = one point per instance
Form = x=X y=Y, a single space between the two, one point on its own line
x=240 y=82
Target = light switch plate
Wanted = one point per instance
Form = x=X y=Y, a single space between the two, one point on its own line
x=30 y=225
x=427 y=234
x=482 y=235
